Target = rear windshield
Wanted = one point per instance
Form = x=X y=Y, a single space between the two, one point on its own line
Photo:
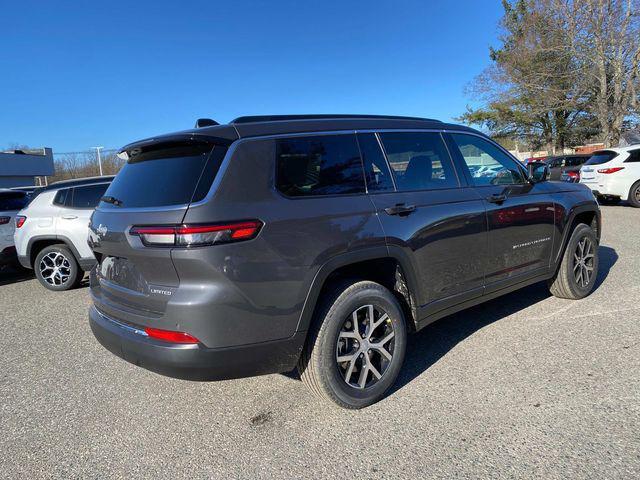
x=599 y=158
x=166 y=174
x=13 y=201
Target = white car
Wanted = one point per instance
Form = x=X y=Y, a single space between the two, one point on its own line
x=614 y=174
x=51 y=232
x=11 y=201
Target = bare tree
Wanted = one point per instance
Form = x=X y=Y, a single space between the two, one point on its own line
x=608 y=47
x=566 y=70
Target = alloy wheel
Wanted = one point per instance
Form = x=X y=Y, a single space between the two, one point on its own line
x=55 y=268
x=365 y=346
x=583 y=262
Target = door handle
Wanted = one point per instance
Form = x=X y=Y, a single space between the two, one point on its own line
x=400 y=209
x=497 y=198
x=69 y=217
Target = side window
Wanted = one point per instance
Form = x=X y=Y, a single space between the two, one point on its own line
x=487 y=164
x=634 y=156
x=419 y=161
x=12 y=201
x=376 y=171
x=61 y=197
x=88 y=196
x=555 y=162
x=319 y=165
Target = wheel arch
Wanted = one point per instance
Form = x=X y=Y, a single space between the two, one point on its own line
x=587 y=214
x=36 y=244
x=390 y=267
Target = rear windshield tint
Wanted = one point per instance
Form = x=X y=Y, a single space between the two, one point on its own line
x=167 y=174
x=599 y=158
x=13 y=201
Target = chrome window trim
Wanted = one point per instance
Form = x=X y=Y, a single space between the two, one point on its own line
x=222 y=171
x=386 y=161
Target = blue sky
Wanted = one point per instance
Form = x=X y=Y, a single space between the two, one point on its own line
x=77 y=75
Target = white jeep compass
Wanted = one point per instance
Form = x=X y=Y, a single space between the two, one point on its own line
x=51 y=232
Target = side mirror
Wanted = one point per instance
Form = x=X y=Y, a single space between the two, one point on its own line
x=538 y=172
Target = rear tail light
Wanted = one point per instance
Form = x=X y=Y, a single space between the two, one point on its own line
x=170 y=336
x=20 y=219
x=4 y=220
x=610 y=170
x=573 y=176
x=197 y=235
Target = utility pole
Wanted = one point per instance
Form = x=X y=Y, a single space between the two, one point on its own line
x=99 y=160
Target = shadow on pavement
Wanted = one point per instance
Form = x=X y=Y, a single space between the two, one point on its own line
x=13 y=275
x=434 y=341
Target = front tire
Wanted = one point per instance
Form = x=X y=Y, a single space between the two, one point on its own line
x=57 y=269
x=356 y=345
x=578 y=270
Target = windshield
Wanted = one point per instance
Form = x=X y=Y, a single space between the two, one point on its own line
x=13 y=201
x=598 y=158
x=162 y=175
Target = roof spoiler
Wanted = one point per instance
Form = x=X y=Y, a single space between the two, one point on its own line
x=205 y=122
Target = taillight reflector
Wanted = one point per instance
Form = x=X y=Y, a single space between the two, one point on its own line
x=610 y=170
x=170 y=336
x=4 y=220
x=20 y=219
x=197 y=235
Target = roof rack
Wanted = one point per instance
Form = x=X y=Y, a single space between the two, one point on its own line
x=276 y=118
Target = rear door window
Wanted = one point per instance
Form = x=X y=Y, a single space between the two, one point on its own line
x=61 y=197
x=319 y=165
x=599 y=158
x=87 y=196
x=165 y=174
x=419 y=161
x=10 y=201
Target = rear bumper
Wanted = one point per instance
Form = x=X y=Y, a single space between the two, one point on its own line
x=195 y=362
x=24 y=261
x=609 y=186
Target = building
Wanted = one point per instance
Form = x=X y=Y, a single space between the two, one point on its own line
x=589 y=148
x=19 y=168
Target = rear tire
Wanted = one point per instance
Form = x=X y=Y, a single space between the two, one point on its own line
x=346 y=361
x=57 y=269
x=634 y=195
x=578 y=269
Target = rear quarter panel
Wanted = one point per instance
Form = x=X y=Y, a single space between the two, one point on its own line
x=259 y=287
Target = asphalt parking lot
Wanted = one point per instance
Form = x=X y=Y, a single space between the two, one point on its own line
x=527 y=385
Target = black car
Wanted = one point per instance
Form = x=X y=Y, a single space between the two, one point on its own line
x=319 y=243
x=566 y=167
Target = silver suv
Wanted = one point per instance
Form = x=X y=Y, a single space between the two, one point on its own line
x=51 y=231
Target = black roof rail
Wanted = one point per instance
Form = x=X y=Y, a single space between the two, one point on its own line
x=277 y=118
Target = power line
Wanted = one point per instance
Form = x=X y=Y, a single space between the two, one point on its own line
x=104 y=150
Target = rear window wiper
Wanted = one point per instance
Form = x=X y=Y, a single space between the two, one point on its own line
x=113 y=200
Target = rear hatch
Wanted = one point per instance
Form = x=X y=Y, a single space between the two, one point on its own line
x=155 y=187
x=11 y=202
x=589 y=171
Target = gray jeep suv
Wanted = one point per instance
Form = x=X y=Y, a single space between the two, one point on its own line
x=320 y=242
